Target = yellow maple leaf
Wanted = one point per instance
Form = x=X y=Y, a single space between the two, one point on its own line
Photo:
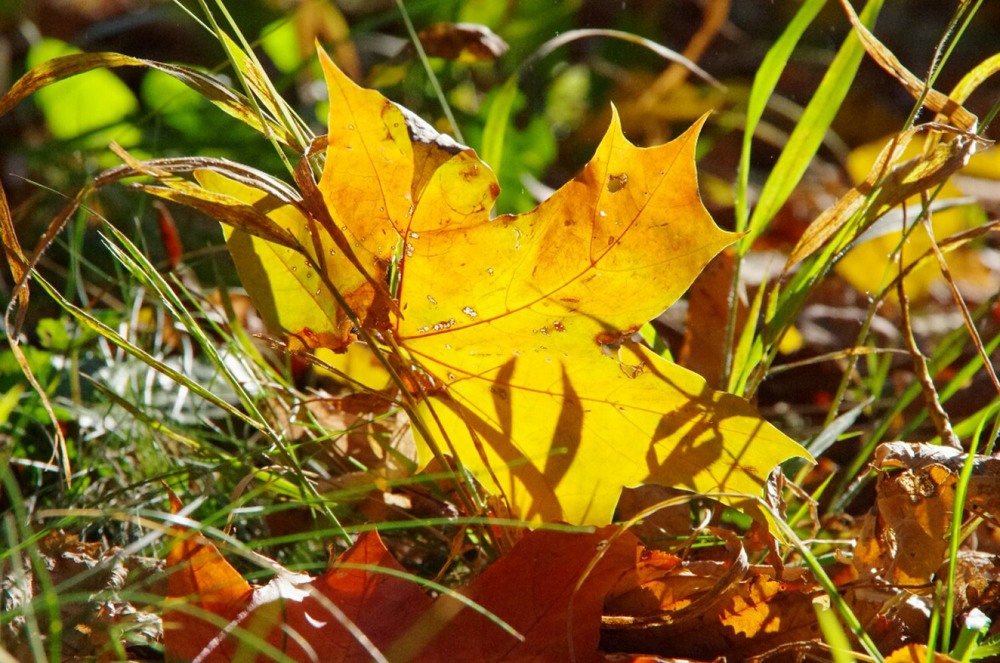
x=521 y=325
x=518 y=316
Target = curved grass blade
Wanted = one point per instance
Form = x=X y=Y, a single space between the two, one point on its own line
x=232 y=103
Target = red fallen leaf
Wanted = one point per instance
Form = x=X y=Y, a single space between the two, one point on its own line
x=343 y=615
x=201 y=581
x=544 y=589
x=380 y=606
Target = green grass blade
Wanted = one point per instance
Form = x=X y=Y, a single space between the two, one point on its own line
x=496 y=124
x=748 y=348
x=808 y=133
x=834 y=635
x=764 y=82
x=961 y=492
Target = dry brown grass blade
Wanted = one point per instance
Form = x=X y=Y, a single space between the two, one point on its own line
x=960 y=302
x=15 y=255
x=251 y=219
x=230 y=102
x=945 y=246
x=847 y=353
x=716 y=13
x=223 y=208
x=934 y=409
x=21 y=268
x=929 y=97
x=173 y=166
x=827 y=224
x=887 y=185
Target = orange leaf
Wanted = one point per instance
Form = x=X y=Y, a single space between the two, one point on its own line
x=345 y=614
x=201 y=583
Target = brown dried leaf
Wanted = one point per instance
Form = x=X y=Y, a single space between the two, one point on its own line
x=695 y=609
x=709 y=303
x=463 y=42
x=904 y=540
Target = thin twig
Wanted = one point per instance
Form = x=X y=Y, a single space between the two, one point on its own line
x=934 y=409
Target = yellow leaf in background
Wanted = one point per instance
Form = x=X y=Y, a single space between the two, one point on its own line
x=865 y=265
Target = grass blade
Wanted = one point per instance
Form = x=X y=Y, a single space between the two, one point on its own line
x=808 y=133
x=764 y=82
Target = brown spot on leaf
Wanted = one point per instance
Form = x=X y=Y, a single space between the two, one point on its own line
x=470 y=172
x=607 y=338
x=617 y=182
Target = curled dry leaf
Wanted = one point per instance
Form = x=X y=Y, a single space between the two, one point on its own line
x=464 y=42
x=905 y=538
x=892 y=617
x=977 y=582
x=705 y=609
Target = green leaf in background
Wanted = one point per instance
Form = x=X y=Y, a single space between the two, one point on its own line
x=526 y=151
x=568 y=99
x=92 y=106
x=174 y=102
x=281 y=43
x=53 y=334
